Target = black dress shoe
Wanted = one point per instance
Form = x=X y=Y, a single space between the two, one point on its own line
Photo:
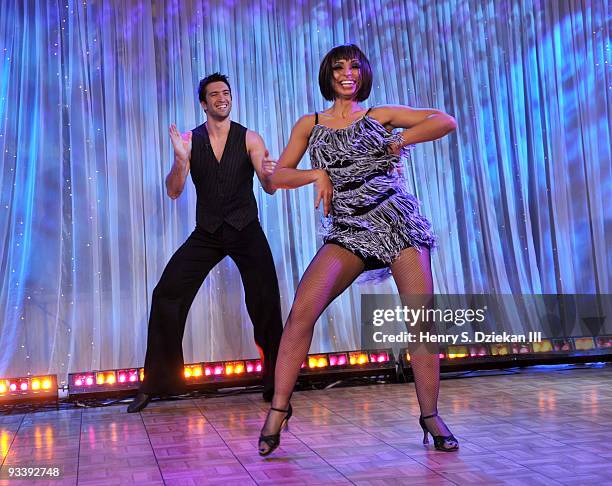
x=140 y=402
x=268 y=394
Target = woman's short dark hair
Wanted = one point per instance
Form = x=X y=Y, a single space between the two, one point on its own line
x=326 y=72
x=214 y=77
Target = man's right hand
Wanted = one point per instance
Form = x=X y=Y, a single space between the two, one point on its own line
x=181 y=142
x=268 y=165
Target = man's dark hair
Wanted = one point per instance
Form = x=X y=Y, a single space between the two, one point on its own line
x=326 y=72
x=214 y=77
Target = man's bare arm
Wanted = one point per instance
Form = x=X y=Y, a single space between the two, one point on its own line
x=175 y=180
x=260 y=158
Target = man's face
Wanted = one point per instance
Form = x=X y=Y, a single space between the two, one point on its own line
x=218 y=102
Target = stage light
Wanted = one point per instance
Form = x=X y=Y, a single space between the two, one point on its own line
x=113 y=382
x=338 y=359
x=457 y=352
x=30 y=388
x=106 y=378
x=317 y=361
x=544 y=346
x=478 y=351
x=253 y=366
x=234 y=368
x=379 y=357
x=353 y=358
x=562 y=344
x=584 y=343
x=223 y=374
x=500 y=349
x=358 y=358
x=332 y=366
x=520 y=348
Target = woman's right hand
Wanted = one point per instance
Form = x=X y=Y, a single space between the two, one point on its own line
x=324 y=190
x=181 y=143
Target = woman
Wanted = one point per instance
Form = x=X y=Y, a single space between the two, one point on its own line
x=372 y=223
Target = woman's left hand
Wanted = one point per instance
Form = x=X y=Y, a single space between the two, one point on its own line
x=394 y=148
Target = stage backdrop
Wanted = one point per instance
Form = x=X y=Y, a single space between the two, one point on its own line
x=518 y=195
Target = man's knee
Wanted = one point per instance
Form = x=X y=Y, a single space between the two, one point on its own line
x=165 y=289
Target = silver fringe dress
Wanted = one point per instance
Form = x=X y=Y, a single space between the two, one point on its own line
x=372 y=214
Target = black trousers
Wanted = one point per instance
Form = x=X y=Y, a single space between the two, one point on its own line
x=178 y=286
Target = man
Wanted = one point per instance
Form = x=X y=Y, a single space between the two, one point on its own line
x=222 y=157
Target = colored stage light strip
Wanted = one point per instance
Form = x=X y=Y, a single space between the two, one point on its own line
x=347 y=360
x=238 y=372
x=29 y=388
x=344 y=365
x=248 y=372
x=547 y=348
x=104 y=381
x=224 y=373
x=129 y=379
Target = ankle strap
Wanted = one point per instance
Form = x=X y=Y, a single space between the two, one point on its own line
x=278 y=409
x=430 y=416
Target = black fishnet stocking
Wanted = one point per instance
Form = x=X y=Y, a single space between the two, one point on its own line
x=331 y=271
x=412 y=274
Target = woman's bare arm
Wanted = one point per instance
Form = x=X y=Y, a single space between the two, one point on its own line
x=421 y=124
x=287 y=176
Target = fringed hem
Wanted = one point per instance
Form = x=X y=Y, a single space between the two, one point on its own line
x=391 y=227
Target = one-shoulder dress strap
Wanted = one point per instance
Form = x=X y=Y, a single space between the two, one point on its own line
x=370 y=108
x=316 y=117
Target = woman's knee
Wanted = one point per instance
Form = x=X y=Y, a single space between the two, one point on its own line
x=300 y=321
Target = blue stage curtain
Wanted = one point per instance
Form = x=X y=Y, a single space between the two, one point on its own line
x=518 y=195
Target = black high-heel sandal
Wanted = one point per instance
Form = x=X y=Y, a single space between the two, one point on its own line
x=446 y=443
x=273 y=440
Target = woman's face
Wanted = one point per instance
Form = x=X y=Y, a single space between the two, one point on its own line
x=347 y=77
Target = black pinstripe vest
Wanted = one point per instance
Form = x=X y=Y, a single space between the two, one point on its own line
x=225 y=188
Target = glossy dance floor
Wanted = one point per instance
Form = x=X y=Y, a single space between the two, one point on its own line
x=532 y=427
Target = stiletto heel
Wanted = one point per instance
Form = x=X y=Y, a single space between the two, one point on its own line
x=273 y=440
x=446 y=443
